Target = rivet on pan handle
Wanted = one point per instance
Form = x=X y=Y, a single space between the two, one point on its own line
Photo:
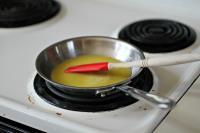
x=105 y=92
x=109 y=90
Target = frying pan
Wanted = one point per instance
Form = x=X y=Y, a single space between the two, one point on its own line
x=97 y=45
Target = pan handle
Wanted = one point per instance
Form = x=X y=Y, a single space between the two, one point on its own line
x=155 y=100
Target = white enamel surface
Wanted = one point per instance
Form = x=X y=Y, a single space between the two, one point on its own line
x=185 y=117
x=20 y=46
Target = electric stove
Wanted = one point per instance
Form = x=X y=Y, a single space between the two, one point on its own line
x=26 y=99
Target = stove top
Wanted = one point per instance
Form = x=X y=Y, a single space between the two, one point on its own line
x=20 y=47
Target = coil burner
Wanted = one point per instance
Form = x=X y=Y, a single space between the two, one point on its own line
x=69 y=101
x=158 y=35
x=18 y=13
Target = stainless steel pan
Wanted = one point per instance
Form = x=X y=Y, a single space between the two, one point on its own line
x=97 y=45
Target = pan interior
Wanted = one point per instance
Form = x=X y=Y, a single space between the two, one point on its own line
x=50 y=57
x=89 y=79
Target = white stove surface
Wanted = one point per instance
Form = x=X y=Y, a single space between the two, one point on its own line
x=20 y=46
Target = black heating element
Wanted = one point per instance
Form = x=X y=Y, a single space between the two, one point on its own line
x=158 y=35
x=18 y=13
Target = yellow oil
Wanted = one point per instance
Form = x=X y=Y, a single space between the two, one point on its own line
x=94 y=79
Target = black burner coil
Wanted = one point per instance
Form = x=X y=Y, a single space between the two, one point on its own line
x=158 y=35
x=18 y=13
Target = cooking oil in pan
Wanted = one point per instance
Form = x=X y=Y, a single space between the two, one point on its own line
x=93 y=79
